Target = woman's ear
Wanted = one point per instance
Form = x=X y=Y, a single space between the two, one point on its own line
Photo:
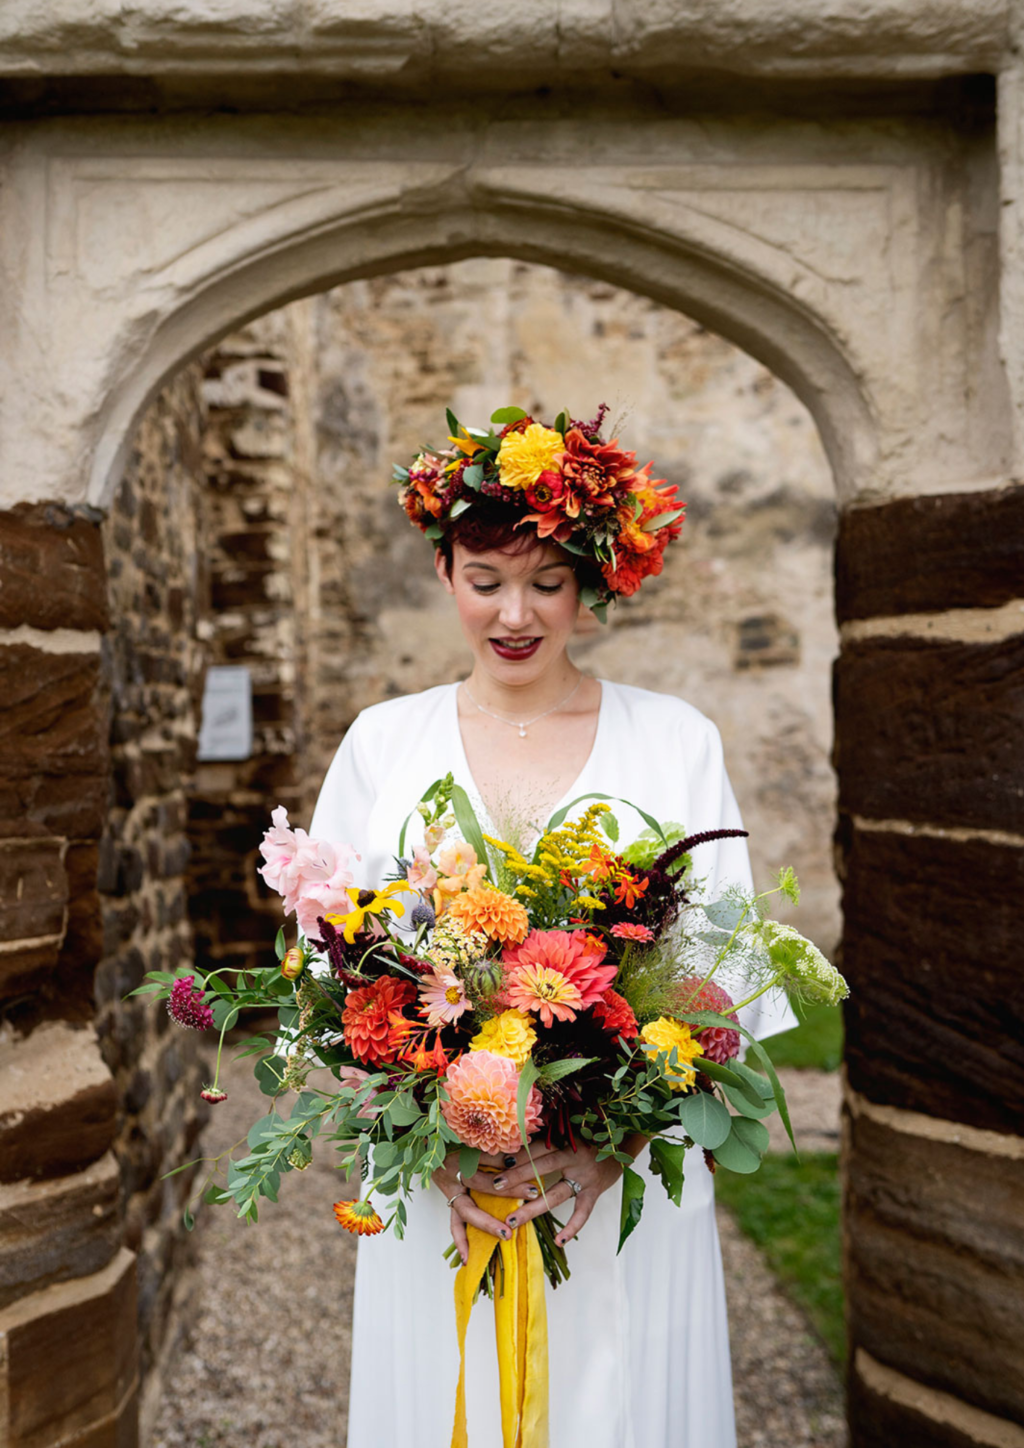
x=441 y=569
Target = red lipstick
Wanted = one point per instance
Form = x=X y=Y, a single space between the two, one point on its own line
x=515 y=649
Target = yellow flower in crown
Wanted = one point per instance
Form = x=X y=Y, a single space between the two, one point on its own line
x=523 y=456
x=661 y=1038
x=377 y=903
x=511 y=1034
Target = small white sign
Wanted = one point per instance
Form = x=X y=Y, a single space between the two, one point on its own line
x=226 y=731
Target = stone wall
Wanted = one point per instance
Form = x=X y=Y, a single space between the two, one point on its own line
x=159 y=592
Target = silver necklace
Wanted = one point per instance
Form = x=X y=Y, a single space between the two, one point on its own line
x=523 y=724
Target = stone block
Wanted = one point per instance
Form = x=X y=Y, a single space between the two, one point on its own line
x=929 y=554
x=69 y=1373
x=33 y=886
x=59 y=1103
x=935 y=1263
x=877 y=1420
x=935 y=1019
x=53 y=740
x=45 y=544
x=54 y=1230
x=25 y=967
x=929 y=731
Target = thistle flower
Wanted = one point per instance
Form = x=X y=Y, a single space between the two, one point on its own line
x=423 y=914
x=187 y=1006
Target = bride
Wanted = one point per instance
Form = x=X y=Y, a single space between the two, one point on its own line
x=639 y=1350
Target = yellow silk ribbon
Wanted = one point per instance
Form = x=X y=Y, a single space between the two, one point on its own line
x=520 y=1328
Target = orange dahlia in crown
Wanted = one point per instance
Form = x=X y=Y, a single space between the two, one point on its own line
x=565 y=481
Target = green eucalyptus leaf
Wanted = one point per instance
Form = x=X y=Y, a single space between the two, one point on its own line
x=667 y=1163
x=724 y=913
x=506 y=415
x=662 y=520
x=751 y=1133
x=460 y=506
x=703 y=1117
x=434 y=532
x=472 y=477
x=554 y=1070
x=632 y=1204
x=562 y=423
x=469 y=1160
x=745 y=1106
x=610 y=825
x=735 y=1155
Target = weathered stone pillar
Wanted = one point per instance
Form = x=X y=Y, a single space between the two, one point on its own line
x=67 y=1287
x=929 y=705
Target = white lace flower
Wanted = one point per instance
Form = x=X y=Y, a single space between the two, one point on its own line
x=802 y=966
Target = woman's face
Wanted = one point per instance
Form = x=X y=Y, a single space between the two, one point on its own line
x=517 y=610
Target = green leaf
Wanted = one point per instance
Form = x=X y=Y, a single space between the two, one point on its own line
x=703 y=1117
x=469 y=824
x=562 y=423
x=528 y=1074
x=777 y=1091
x=403 y=1111
x=560 y=815
x=216 y=1196
x=472 y=477
x=724 y=913
x=280 y=944
x=751 y=1133
x=667 y=1163
x=589 y=597
x=433 y=531
x=555 y=1070
x=453 y=422
x=469 y=1160
x=460 y=506
x=505 y=415
x=632 y=1204
x=610 y=825
x=188 y=1219
x=662 y=520
x=224 y=1014
x=734 y=1153
x=745 y=1106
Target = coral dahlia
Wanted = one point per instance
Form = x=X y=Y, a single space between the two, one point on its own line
x=187 y=1006
x=616 y=1015
x=368 y=1029
x=481 y=1106
x=546 y=992
x=492 y=913
x=718 y=1043
x=573 y=954
x=358 y=1217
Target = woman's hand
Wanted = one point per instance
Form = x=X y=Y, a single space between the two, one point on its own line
x=581 y=1166
x=464 y=1211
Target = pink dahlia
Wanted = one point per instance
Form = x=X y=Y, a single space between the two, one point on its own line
x=573 y=954
x=481 y=1105
x=718 y=1043
x=642 y=933
x=187 y=1006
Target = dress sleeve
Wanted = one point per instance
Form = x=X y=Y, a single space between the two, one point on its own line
x=348 y=792
x=727 y=862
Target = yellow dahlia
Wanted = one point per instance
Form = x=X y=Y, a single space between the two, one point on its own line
x=358 y=1217
x=664 y=1035
x=511 y=1034
x=523 y=456
x=492 y=913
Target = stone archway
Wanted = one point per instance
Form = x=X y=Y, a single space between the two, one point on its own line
x=858 y=261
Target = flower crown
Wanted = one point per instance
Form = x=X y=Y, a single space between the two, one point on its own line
x=573 y=487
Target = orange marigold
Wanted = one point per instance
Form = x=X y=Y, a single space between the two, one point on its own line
x=358 y=1217
x=492 y=913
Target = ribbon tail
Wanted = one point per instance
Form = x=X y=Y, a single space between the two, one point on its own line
x=520 y=1327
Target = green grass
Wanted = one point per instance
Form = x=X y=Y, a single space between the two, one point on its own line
x=790 y=1210
x=815 y=1044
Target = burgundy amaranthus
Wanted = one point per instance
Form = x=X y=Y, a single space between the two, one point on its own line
x=187 y=1006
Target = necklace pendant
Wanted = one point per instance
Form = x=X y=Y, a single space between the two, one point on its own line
x=522 y=731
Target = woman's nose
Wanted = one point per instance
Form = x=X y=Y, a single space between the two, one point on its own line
x=515 y=609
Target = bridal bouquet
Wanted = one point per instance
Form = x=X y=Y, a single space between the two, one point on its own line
x=489 y=996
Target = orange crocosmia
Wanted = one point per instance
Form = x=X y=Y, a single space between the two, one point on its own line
x=629 y=889
x=600 y=864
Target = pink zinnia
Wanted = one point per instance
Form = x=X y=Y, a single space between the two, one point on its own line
x=187 y=1006
x=481 y=1105
x=571 y=953
x=718 y=1043
x=632 y=932
x=442 y=998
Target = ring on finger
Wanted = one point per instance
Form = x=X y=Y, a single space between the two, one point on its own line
x=455 y=1197
x=458 y=1178
x=574 y=1187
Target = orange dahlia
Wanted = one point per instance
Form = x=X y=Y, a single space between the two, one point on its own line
x=616 y=1015
x=572 y=953
x=492 y=913
x=481 y=1105
x=358 y=1217
x=369 y=1031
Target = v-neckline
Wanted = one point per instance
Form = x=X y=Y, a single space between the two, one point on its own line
x=570 y=794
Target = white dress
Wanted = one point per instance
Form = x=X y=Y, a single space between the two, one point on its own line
x=639 y=1345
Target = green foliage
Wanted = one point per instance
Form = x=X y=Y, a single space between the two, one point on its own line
x=633 y=1187
x=790 y=1209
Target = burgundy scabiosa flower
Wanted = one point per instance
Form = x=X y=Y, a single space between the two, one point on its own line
x=187 y=1006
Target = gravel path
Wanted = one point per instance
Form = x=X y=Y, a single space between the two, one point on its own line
x=267 y=1364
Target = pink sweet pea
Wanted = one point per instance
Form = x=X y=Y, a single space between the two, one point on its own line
x=421 y=874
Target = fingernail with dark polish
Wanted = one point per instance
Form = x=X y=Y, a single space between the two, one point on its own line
x=510 y=1160
x=503 y=1233
x=531 y=1192
x=511 y=1221
x=499 y=1182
